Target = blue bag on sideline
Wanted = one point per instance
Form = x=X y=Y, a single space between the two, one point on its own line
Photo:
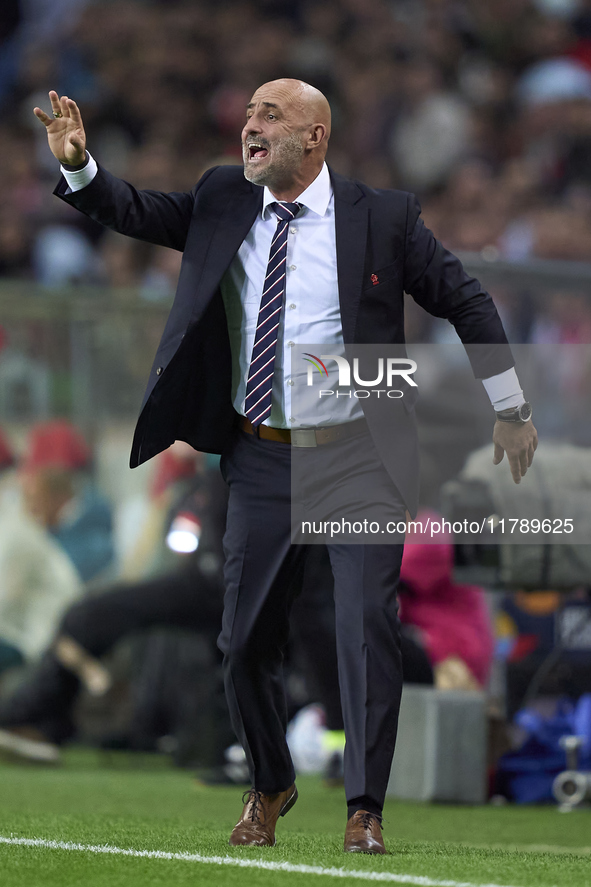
x=526 y=774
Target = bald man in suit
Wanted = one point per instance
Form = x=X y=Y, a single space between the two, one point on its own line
x=349 y=253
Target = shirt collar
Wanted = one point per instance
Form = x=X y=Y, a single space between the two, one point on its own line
x=316 y=197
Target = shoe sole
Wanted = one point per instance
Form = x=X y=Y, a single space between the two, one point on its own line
x=24 y=749
x=289 y=803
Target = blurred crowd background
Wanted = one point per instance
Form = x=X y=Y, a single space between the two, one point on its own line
x=483 y=109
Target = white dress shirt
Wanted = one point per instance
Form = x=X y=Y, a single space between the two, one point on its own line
x=311 y=312
x=311 y=315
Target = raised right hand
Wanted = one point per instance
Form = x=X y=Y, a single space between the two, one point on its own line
x=65 y=134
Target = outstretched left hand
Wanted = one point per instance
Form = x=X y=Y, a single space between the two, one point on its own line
x=519 y=441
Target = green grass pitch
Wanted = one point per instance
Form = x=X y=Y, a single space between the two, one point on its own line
x=140 y=804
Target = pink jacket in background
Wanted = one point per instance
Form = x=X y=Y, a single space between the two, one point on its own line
x=453 y=620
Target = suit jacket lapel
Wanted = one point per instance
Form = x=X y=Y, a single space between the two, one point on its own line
x=351 y=222
x=218 y=239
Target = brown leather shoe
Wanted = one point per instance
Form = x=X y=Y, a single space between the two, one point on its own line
x=364 y=834
x=256 y=826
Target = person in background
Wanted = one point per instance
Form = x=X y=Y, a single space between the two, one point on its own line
x=450 y=621
x=545 y=654
x=184 y=590
x=60 y=495
x=37 y=579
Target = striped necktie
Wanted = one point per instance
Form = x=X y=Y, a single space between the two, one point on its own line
x=259 y=383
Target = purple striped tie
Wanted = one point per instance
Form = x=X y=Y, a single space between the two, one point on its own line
x=259 y=384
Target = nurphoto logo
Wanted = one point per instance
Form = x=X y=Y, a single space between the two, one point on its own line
x=387 y=371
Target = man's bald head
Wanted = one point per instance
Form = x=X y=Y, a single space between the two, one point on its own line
x=306 y=99
x=285 y=138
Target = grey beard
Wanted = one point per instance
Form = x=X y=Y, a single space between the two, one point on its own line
x=288 y=158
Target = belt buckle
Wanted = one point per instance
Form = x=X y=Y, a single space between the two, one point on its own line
x=303 y=437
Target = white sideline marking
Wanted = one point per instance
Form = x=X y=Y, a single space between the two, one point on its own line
x=416 y=880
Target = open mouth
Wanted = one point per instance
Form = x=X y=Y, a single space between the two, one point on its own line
x=256 y=151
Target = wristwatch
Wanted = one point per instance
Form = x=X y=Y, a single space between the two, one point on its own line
x=520 y=414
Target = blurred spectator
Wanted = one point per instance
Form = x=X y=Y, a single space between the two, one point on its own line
x=184 y=591
x=60 y=495
x=433 y=131
x=37 y=580
x=450 y=621
x=143 y=522
x=532 y=644
x=554 y=80
x=63 y=255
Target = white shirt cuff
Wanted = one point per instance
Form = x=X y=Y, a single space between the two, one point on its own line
x=80 y=178
x=504 y=390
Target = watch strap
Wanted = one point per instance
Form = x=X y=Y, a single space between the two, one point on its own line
x=519 y=414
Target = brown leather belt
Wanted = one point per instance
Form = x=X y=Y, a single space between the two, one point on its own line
x=305 y=437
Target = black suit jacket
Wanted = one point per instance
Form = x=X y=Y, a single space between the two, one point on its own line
x=377 y=232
